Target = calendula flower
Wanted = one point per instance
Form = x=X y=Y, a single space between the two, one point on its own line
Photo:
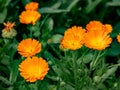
x=107 y=28
x=33 y=69
x=73 y=38
x=118 y=38
x=98 y=26
x=29 y=47
x=9 y=31
x=94 y=26
x=29 y=17
x=32 y=6
x=98 y=40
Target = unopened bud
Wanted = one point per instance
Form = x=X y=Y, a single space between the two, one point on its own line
x=9 y=34
x=9 y=31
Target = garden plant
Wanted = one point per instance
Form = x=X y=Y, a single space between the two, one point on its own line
x=59 y=44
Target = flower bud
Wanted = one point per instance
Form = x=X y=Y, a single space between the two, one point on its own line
x=97 y=79
x=9 y=31
x=9 y=34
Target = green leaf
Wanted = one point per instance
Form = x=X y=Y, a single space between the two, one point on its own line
x=48 y=55
x=53 y=78
x=113 y=3
x=72 y=4
x=66 y=87
x=109 y=72
x=3 y=9
x=55 y=7
x=91 y=6
x=3 y=15
x=48 y=26
x=22 y=87
x=42 y=85
x=36 y=34
x=5 y=59
x=88 y=88
x=51 y=10
x=32 y=28
x=14 y=71
x=56 y=38
x=3 y=4
x=52 y=87
x=87 y=58
x=4 y=80
x=33 y=86
x=57 y=70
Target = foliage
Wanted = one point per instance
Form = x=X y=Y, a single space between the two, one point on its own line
x=81 y=69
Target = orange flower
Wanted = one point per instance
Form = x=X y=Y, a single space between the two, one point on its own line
x=98 y=40
x=94 y=26
x=33 y=69
x=118 y=38
x=29 y=17
x=98 y=26
x=32 y=6
x=9 y=25
x=73 y=38
x=29 y=47
x=107 y=28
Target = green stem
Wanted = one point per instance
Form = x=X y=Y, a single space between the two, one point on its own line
x=35 y=86
x=95 y=61
x=114 y=65
x=56 y=51
x=74 y=70
x=42 y=23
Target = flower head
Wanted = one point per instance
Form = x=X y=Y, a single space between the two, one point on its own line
x=29 y=47
x=9 y=25
x=29 y=17
x=33 y=69
x=98 y=26
x=94 y=26
x=73 y=38
x=98 y=40
x=9 y=31
x=118 y=38
x=32 y=6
